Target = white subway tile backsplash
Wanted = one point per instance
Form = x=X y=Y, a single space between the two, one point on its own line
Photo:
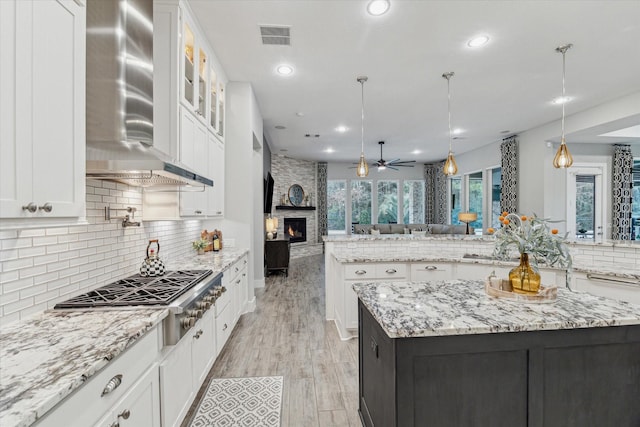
x=17 y=306
x=45 y=278
x=33 y=271
x=45 y=259
x=17 y=264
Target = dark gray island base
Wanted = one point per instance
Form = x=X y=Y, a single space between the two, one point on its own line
x=456 y=373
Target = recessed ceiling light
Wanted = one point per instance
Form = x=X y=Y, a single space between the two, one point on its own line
x=284 y=70
x=505 y=131
x=561 y=100
x=378 y=7
x=341 y=129
x=478 y=41
x=457 y=131
x=280 y=127
x=329 y=150
x=300 y=114
x=416 y=152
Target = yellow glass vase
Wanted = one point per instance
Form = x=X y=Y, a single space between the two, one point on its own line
x=524 y=279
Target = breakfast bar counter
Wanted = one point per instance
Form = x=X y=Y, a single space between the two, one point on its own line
x=444 y=353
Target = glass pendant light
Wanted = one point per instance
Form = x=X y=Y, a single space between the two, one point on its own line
x=363 y=168
x=450 y=166
x=563 y=158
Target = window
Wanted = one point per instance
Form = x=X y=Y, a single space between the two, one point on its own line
x=496 y=192
x=585 y=199
x=361 y=202
x=585 y=205
x=456 y=199
x=413 y=202
x=475 y=197
x=336 y=205
x=387 y=202
x=635 y=209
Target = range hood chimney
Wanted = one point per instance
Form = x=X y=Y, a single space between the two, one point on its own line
x=120 y=98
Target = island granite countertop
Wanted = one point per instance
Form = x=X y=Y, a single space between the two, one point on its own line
x=461 y=307
x=75 y=345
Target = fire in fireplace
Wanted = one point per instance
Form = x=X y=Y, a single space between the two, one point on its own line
x=296 y=229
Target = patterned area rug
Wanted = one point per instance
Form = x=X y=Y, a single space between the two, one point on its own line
x=246 y=402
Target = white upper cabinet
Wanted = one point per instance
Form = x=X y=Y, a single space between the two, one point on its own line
x=42 y=109
x=189 y=107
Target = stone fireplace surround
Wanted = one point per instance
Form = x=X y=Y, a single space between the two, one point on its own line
x=286 y=172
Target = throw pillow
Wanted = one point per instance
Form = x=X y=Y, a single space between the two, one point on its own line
x=375 y=232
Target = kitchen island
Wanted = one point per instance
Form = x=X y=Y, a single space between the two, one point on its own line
x=444 y=353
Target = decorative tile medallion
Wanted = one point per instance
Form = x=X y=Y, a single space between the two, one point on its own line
x=241 y=402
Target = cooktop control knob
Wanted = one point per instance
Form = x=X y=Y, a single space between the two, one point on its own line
x=188 y=322
x=209 y=299
x=203 y=305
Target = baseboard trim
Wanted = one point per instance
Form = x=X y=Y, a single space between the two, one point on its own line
x=258 y=283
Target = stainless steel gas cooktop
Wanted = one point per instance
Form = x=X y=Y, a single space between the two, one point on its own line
x=139 y=290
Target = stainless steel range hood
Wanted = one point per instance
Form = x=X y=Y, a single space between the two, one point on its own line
x=120 y=98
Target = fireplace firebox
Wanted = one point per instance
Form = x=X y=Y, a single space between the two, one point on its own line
x=296 y=229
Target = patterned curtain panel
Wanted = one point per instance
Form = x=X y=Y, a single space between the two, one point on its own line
x=441 y=194
x=321 y=191
x=509 y=164
x=622 y=192
x=430 y=193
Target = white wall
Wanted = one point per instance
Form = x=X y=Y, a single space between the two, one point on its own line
x=243 y=194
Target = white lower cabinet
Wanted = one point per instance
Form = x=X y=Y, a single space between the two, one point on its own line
x=425 y=271
x=134 y=387
x=184 y=368
x=618 y=288
x=373 y=272
x=140 y=407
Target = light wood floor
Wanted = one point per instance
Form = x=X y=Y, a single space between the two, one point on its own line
x=287 y=335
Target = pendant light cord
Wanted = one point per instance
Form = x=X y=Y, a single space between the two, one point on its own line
x=362 y=102
x=564 y=99
x=449 y=107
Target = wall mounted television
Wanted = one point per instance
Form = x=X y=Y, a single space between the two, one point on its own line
x=268 y=193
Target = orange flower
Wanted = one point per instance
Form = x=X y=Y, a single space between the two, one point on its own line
x=490 y=230
x=500 y=218
x=505 y=213
x=523 y=218
x=506 y=222
x=554 y=231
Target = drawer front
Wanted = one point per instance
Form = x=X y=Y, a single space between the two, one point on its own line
x=231 y=274
x=222 y=302
x=360 y=271
x=223 y=328
x=90 y=403
x=393 y=271
x=421 y=272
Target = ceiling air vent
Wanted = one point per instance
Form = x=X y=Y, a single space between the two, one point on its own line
x=275 y=35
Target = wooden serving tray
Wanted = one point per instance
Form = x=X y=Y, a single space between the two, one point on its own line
x=544 y=296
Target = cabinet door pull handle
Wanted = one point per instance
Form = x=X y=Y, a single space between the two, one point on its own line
x=392 y=270
x=198 y=212
x=198 y=334
x=47 y=207
x=361 y=272
x=431 y=267
x=238 y=281
x=219 y=212
x=225 y=327
x=113 y=384
x=31 y=207
x=124 y=414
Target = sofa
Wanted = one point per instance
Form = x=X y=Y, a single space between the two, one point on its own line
x=411 y=229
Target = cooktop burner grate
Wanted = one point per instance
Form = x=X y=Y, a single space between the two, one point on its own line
x=139 y=290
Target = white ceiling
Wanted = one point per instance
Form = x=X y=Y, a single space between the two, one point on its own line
x=500 y=89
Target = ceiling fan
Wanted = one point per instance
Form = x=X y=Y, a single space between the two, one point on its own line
x=382 y=164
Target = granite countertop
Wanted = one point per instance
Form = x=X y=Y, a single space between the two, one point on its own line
x=216 y=261
x=48 y=356
x=461 y=307
x=387 y=237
